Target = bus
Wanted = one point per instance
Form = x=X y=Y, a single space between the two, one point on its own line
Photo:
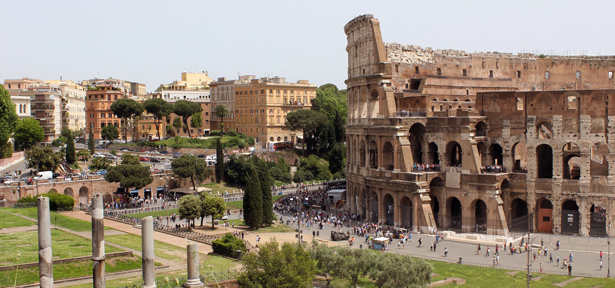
x=279 y=146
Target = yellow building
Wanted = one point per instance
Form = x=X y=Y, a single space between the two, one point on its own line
x=261 y=106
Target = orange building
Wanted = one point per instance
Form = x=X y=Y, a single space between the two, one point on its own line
x=98 y=108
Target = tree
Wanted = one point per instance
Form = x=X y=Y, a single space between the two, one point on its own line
x=185 y=109
x=334 y=104
x=265 y=183
x=188 y=166
x=28 y=133
x=91 y=141
x=307 y=121
x=393 y=270
x=189 y=207
x=253 y=200
x=219 y=162
x=221 y=111
x=286 y=267
x=211 y=206
x=177 y=124
x=126 y=108
x=337 y=159
x=129 y=173
x=236 y=169
x=43 y=158
x=100 y=163
x=196 y=121
x=346 y=263
x=70 y=151
x=84 y=155
x=8 y=122
x=109 y=133
x=159 y=108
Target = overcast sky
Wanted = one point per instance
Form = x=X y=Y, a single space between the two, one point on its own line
x=152 y=42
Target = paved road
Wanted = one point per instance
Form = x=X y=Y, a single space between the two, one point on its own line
x=586 y=251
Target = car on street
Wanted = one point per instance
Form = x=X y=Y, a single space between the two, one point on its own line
x=102 y=172
x=111 y=157
x=164 y=152
x=97 y=155
x=125 y=150
x=7 y=180
x=142 y=158
x=201 y=156
x=154 y=160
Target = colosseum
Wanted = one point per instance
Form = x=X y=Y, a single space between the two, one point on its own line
x=482 y=142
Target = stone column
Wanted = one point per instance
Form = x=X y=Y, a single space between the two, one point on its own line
x=98 y=241
x=45 y=263
x=193 y=267
x=147 y=242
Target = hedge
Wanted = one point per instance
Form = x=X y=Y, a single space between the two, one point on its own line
x=228 y=246
x=57 y=202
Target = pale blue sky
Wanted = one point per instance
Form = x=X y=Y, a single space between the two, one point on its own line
x=152 y=42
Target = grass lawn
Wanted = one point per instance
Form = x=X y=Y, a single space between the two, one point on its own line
x=9 y=220
x=275 y=228
x=239 y=204
x=162 y=250
x=64 y=245
x=68 y=270
x=162 y=213
x=56 y=219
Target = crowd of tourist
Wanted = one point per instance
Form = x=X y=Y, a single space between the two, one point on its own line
x=421 y=167
x=492 y=169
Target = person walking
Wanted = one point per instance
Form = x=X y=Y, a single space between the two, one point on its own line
x=446 y=254
x=557 y=261
x=601 y=255
x=551 y=258
x=487 y=251
x=600 y=265
x=569 y=270
x=570 y=257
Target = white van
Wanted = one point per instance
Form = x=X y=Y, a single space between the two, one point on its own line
x=44 y=175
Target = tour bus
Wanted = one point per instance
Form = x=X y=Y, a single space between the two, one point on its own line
x=279 y=146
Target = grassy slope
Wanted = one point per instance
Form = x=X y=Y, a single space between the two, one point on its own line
x=8 y=220
x=56 y=219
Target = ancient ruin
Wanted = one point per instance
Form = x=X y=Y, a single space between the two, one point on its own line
x=478 y=142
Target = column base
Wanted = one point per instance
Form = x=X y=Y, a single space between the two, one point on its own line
x=149 y=286
x=193 y=283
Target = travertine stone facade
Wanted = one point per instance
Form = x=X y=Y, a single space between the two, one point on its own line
x=478 y=142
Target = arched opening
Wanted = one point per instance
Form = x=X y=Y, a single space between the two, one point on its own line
x=406 y=212
x=480 y=216
x=599 y=166
x=518 y=215
x=83 y=195
x=570 y=217
x=69 y=191
x=52 y=190
x=495 y=151
x=544 y=130
x=364 y=204
x=453 y=150
x=434 y=158
x=374 y=207
x=572 y=161
x=387 y=156
x=373 y=155
x=453 y=206
x=362 y=154
x=389 y=206
x=482 y=153
x=417 y=138
x=597 y=216
x=544 y=161
x=519 y=154
x=481 y=129
x=544 y=219
x=435 y=209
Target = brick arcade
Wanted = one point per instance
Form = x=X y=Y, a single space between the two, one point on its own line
x=511 y=141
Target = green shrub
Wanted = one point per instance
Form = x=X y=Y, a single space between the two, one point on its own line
x=214 y=133
x=57 y=202
x=228 y=246
x=231 y=132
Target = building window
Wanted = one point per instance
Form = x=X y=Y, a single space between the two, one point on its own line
x=416 y=69
x=465 y=72
x=547 y=74
x=518 y=74
x=490 y=73
x=610 y=74
x=572 y=103
x=439 y=71
x=578 y=74
x=102 y=115
x=519 y=104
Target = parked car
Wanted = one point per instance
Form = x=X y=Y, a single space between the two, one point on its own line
x=7 y=180
x=154 y=160
x=111 y=156
x=164 y=152
x=201 y=156
x=102 y=172
x=142 y=158
x=44 y=175
x=125 y=150
x=97 y=155
x=98 y=147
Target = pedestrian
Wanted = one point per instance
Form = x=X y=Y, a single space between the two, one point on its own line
x=493 y=260
x=445 y=251
x=540 y=267
x=534 y=256
x=497 y=249
x=434 y=247
x=487 y=251
x=478 y=249
x=497 y=259
x=557 y=261
x=600 y=255
x=430 y=246
x=570 y=257
x=601 y=265
x=569 y=270
x=399 y=245
x=550 y=257
x=545 y=254
x=557 y=245
x=313 y=233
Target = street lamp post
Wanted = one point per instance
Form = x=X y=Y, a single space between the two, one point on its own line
x=608 y=241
